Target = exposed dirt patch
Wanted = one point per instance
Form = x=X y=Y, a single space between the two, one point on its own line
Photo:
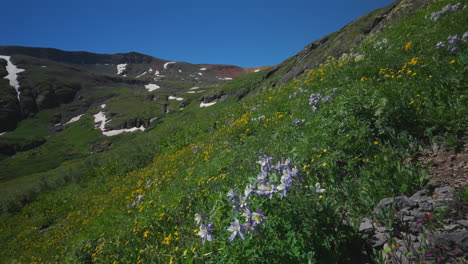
x=449 y=167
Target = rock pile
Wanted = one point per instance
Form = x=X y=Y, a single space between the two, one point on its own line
x=431 y=225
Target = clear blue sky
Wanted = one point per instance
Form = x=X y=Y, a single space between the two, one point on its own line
x=246 y=33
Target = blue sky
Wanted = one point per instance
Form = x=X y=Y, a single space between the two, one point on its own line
x=246 y=33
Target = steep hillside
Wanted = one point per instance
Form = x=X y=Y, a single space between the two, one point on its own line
x=345 y=40
x=286 y=174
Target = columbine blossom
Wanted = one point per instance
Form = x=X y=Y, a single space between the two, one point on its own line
x=267 y=189
x=314 y=99
x=148 y=183
x=440 y=44
x=452 y=39
x=262 y=177
x=298 y=121
x=465 y=36
x=199 y=218
x=249 y=189
x=326 y=98
x=264 y=162
x=318 y=189
x=205 y=232
x=381 y=43
x=232 y=195
x=136 y=201
x=254 y=219
x=236 y=229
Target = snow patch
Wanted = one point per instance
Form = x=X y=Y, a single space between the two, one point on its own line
x=153 y=119
x=74 y=119
x=151 y=87
x=199 y=73
x=100 y=122
x=142 y=74
x=225 y=79
x=167 y=63
x=175 y=98
x=207 y=104
x=150 y=70
x=121 y=68
x=180 y=71
x=43 y=66
x=256 y=70
x=120 y=131
x=103 y=106
x=12 y=75
x=156 y=73
x=3 y=133
x=194 y=88
x=203 y=69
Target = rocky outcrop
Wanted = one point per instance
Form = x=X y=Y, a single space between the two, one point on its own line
x=430 y=225
x=9 y=148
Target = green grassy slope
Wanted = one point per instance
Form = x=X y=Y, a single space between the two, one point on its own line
x=367 y=115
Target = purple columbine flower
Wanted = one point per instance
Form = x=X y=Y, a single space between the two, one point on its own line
x=452 y=49
x=232 y=195
x=326 y=98
x=236 y=229
x=314 y=109
x=297 y=122
x=249 y=189
x=266 y=189
x=205 y=232
x=315 y=99
x=243 y=202
x=199 y=218
x=452 y=39
x=440 y=44
x=264 y=162
x=465 y=36
x=262 y=177
x=254 y=219
x=148 y=183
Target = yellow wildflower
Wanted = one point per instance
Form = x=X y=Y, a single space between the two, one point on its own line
x=452 y=61
x=376 y=142
x=408 y=45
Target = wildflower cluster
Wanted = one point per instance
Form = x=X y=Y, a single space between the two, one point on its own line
x=258 y=118
x=448 y=8
x=451 y=41
x=315 y=99
x=298 y=121
x=136 y=201
x=346 y=57
x=381 y=44
x=262 y=186
x=204 y=230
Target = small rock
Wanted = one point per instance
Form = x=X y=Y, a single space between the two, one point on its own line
x=366 y=226
x=378 y=240
x=420 y=195
x=451 y=227
x=453 y=241
x=399 y=203
x=463 y=223
x=445 y=192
